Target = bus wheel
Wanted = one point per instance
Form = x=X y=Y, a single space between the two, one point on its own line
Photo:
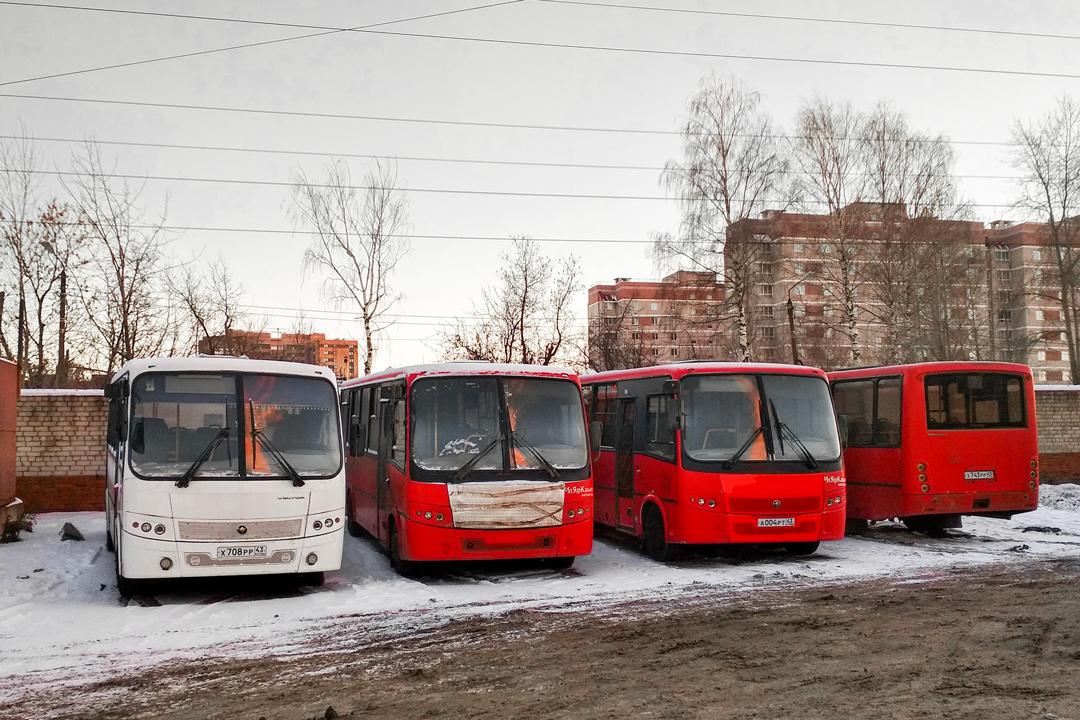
x=109 y=544
x=312 y=579
x=803 y=548
x=128 y=587
x=354 y=527
x=405 y=568
x=654 y=536
x=559 y=563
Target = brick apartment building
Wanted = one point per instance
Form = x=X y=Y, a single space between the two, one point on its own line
x=313 y=348
x=977 y=292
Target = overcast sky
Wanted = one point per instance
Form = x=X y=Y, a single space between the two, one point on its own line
x=599 y=84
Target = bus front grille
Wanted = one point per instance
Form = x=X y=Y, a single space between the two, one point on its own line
x=240 y=530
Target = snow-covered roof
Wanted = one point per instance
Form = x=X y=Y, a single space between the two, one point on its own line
x=220 y=363
x=465 y=367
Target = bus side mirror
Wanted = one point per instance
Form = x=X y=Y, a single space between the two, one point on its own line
x=116 y=390
x=842 y=425
x=671 y=387
x=596 y=429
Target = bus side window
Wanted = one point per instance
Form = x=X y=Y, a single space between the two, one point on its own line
x=397 y=440
x=854 y=399
x=370 y=401
x=603 y=411
x=887 y=422
x=660 y=413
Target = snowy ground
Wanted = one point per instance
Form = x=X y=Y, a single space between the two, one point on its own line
x=62 y=622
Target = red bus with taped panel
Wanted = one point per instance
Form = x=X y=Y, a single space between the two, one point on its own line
x=930 y=442
x=709 y=453
x=469 y=461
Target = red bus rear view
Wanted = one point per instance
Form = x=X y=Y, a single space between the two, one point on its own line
x=715 y=453
x=929 y=442
x=469 y=461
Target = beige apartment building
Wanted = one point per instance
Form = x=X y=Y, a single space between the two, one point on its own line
x=891 y=289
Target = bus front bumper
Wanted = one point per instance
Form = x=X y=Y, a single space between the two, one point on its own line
x=708 y=527
x=146 y=558
x=422 y=542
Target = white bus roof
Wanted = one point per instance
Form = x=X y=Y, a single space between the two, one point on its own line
x=220 y=363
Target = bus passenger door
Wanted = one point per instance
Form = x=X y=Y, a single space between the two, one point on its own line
x=624 y=465
x=382 y=474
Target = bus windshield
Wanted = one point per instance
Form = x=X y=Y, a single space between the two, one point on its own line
x=974 y=400
x=180 y=418
x=507 y=423
x=766 y=417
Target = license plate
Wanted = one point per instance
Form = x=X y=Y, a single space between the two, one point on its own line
x=245 y=551
x=776 y=522
x=979 y=475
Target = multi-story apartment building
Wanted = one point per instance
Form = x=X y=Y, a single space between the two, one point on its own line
x=313 y=348
x=648 y=322
x=873 y=286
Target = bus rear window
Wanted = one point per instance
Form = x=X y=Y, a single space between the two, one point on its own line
x=974 y=400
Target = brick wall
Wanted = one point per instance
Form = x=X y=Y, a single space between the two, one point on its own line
x=60 y=454
x=1058 y=409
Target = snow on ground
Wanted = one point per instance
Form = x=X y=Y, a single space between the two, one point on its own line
x=62 y=621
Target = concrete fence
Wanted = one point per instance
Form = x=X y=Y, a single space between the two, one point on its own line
x=60 y=459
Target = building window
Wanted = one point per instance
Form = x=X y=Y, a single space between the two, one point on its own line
x=765 y=310
x=1002 y=254
x=656 y=352
x=767 y=332
x=1036 y=254
x=769 y=354
x=674 y=352
x=764 y=269
x=1004 y=276
x=798 y=248
x=674 y=336
x=1039 y=315
x=764 y=290
x=608 y=305
x=654 y=306
x=1041 y=355
x=635 y=336
x=1040 y=376
x=800 y=289
x=693 y=311
x=826 y=248
x=1003 y=297
x=800 y=268
x=634 y=321
x=1005 y=315
x=633 y=304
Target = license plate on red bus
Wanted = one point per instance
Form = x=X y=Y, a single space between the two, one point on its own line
x=775 y=522
x=245 y=551
x=979 y=475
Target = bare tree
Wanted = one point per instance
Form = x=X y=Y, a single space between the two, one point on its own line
x=211 y=301
x=19 y=189
x=526 y=317
x=828 y=154
x=358 y=241
x=732 y=167
x=614 y=342
x=127 y=315
x=1047 y=153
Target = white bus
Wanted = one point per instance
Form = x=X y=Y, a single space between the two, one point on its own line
x=223 y=466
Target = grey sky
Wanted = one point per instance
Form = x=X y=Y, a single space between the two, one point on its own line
x=424 y=70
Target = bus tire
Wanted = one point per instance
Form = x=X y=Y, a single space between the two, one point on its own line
x=109 y=544
x=354 y=528
x=560 y=563
x=404 y=568
x=802 y=548
x=129 y=587
x=312 y=579
x=654 y=537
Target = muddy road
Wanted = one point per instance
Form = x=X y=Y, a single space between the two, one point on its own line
x=1000 y=642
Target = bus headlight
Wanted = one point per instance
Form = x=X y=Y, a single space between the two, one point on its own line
x=166 y=563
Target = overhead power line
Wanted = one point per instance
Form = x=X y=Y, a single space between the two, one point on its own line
x=405 y=158
x=828 y=21
x=439 y=191
x=322 y=33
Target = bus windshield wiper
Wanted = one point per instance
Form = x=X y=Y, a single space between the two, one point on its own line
x=743 y=448
x=467 y=467
x=517 y=439
x=185 y=479
x=268 y=447
x=782 y=428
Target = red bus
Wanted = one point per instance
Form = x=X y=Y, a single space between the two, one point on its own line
x=469 y=461
x=714 y=453
x=929 y=442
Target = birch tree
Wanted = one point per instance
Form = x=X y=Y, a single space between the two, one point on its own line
x=359 y=238
x=1047 y=154
x=732 y=168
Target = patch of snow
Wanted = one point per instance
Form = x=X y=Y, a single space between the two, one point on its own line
x=46 y=392
x=62 y=622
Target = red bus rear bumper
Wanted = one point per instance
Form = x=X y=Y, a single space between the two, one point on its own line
x=429 y=543
x=970 y=503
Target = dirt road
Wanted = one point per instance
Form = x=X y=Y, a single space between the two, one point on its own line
x=996 y=643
